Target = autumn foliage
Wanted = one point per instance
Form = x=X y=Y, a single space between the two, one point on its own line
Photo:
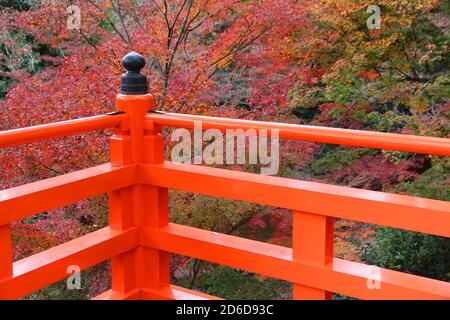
x=309 y=62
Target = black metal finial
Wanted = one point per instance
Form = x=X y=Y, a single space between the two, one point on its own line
x=133 y=81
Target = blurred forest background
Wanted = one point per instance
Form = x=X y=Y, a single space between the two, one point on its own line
x=305 y=62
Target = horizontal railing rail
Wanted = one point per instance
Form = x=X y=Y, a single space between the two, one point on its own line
x=27 y=200
x=49 y=266
x=355 y=138
x=393 y=210
x=340 y=276
x=15 y=137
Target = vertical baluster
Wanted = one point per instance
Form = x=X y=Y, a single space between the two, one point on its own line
x=155 y=215
x=5 y=252
x=121 y=216
x=312 y=242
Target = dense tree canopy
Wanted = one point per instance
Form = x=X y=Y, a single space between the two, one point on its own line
x=313 y=62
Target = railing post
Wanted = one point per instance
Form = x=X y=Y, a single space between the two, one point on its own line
x=121 y=216
x=138 y=205
x=312 y=243
x=5 y=252
x=155 y=214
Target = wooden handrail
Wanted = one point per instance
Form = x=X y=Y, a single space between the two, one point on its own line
x=355 y=138
x=11 y=138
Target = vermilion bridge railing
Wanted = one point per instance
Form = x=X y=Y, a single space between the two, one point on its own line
x=139 y=238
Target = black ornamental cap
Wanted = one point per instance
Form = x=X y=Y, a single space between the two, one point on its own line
x=133 y=81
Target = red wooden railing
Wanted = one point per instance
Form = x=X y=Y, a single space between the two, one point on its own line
x=140 y=239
